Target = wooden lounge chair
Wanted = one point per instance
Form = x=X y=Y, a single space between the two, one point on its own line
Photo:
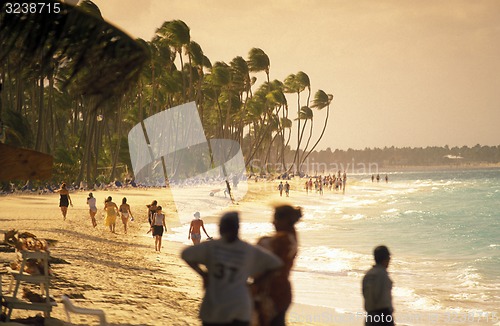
x=70 y=308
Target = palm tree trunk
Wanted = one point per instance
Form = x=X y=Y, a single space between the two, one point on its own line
x=117 y=149
x=295 y=158
x=307 y=144
x=320 y=136
x=181 y=69
x=41 y=126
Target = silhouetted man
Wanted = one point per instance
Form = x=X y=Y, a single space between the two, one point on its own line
x=229 y=262
x=377 y=290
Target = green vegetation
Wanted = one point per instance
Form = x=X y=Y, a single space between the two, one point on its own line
x=388 y=157
x=67 y=102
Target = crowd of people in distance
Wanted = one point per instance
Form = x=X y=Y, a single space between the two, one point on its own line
x=50 y=188
x=337 y=182
x=317 y=184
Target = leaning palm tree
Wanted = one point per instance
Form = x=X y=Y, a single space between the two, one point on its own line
x=259 y=61
x=306 y=114
x=178 y=35
x=321 y=100
x=75 y=39
x=296 y=83
x=102 y=62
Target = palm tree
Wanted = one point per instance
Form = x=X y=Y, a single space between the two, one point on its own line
x=220 y=78
x=305 y=114
x=178 y=35
x=259 y=61
x=296 y=83
x=321 y=100
x=78 y=40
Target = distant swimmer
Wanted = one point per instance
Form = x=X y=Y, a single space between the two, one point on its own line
x=386 y=179
x=378 y=177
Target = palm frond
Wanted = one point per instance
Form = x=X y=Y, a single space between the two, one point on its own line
x=103 y=61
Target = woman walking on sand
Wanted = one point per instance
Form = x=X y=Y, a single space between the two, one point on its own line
x=64 y=200
x=125 y=213
x=151 y=211
x=194 y=229
x=91 y=201
x=157 y=227
x=111 y=213
x=274 y=295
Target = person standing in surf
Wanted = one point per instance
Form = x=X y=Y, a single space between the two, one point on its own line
x=377 y=290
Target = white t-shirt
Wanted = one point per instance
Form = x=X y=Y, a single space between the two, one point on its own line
x=92 y=202
x=229 y=266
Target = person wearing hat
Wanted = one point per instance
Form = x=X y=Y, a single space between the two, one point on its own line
x=274 y=296
x=194 y=229
x=229 y=262
x=91 y=201
x=377 y=288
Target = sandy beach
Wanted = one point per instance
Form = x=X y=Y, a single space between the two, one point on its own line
x=119 y=273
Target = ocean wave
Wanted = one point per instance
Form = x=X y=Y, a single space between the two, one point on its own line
x=355 y=217
x=469 y=277
x=326 y=259
x=415 y=301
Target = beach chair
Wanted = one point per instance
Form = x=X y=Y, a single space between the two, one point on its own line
x=70 y=308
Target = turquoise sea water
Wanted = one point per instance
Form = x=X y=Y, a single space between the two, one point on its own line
x=442 y=227
x=443 y=230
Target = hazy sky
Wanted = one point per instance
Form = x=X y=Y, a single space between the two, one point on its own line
x=403 y=73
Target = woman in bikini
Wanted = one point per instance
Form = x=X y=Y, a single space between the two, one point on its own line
x=64 y=200
x=91 y=201
x=125 y=213
x=111 y=214
x=194 y=229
